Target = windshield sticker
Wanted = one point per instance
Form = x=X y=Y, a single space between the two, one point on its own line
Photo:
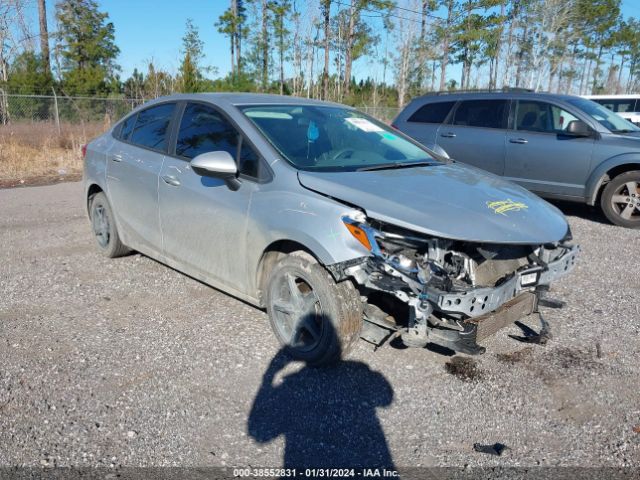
x=312 y=132
x=503 y=206
x=364 y=124
x=389 y=136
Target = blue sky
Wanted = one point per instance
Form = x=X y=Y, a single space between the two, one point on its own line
x=153 y=29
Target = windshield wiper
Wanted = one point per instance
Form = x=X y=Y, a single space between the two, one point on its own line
x=624 y=130
x=389 y=166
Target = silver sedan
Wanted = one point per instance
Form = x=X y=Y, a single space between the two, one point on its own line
x=338 y=225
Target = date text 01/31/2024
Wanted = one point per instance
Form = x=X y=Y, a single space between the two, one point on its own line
x=315 y=472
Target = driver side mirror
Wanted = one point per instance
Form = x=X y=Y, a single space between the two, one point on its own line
x=578 y=128
x=219 y=164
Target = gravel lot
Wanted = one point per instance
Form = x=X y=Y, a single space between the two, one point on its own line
x=127 y=362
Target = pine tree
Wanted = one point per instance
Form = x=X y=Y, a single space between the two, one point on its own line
x=86 y=42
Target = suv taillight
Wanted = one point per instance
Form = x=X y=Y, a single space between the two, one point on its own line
x=84 y=150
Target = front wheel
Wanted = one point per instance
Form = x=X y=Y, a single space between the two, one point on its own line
x=317 y=319
x=620 y=200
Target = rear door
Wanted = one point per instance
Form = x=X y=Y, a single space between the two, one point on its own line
x=541 y=156
x=423 y=124
x=476 y=133
x=204 y=223
x=133 y=166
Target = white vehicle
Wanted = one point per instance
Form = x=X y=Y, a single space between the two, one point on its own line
x=627 y=106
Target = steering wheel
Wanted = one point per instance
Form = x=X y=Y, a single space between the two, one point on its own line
x=340 y=153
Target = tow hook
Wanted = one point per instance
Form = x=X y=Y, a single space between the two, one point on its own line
x=544 y=301
x=416 y=334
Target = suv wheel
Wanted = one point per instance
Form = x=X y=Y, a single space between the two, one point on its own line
x=104 y=227
x=621 y=200
x=316 y=319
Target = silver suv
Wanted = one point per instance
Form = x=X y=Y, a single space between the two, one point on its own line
x=558 y=146
x=336 y=224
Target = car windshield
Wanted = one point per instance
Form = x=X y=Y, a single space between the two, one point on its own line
x=604 y=116
x=326 y=138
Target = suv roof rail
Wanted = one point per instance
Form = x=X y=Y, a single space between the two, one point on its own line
x=483 y=90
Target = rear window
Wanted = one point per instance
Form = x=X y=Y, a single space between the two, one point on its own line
x=482 y=113
x=619 y=105
x=432 y=113
x=152 y=125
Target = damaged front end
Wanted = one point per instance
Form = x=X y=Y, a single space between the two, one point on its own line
x=447 y=292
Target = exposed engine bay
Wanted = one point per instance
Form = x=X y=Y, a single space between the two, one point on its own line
x=448 y=292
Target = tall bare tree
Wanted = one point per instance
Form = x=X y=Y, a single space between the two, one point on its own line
x=325 y=6
x=44 y=35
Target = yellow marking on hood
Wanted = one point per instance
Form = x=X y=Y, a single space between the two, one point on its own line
x=503 y=206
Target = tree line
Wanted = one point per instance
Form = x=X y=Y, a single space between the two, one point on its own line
x=373 y=52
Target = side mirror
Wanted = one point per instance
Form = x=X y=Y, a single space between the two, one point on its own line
x=578 y=128
x=219 y=164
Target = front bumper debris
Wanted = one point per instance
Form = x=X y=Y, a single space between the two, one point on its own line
x=454 y=313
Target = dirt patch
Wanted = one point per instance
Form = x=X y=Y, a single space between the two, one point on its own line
x=515 y=357
x=39 y=180
x=575 y=359
x=464 y=368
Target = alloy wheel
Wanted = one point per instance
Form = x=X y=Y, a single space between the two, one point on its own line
x=626 y=201
x=101 y=227
x=297 y=312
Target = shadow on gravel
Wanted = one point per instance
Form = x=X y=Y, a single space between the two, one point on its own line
x=327 y=415
x=581 y=210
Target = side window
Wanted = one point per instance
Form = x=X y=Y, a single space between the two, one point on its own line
x=542 y=117
x=249 y=161
x=482 y=113
x=127 y=127
x=203 y=129
x=151 y=127
x=432 y=113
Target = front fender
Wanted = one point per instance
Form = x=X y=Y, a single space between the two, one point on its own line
x=307 y=218
x=599 y=174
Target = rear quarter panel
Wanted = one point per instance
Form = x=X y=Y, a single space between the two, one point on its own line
x=95 y=162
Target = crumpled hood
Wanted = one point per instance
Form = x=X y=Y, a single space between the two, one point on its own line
x=449 y=201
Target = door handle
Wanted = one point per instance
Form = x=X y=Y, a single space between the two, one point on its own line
x=116 y=158
x=448 y=135
x=171 y=180
x=521 y=141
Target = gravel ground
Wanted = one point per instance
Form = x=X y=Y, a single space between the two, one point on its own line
x=128 y=362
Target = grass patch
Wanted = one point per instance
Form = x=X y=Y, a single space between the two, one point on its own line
x=35 y=150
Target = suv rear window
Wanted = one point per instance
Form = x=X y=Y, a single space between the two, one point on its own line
x=618 y=105
x=432 y=113
x=152 y=125
x=482 y=113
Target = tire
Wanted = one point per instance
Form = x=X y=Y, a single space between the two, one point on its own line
x=104 y=227
x=620 y=200
x=321 y=321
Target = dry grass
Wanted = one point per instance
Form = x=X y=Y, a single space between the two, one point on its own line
x=32 y=150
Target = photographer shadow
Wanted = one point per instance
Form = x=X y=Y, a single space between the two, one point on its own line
x=327 y=415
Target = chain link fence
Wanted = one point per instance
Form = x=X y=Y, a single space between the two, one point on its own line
x=79 y=110
x=62 y=109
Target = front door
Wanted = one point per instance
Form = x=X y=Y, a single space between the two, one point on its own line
x=203 y=221
x=133 y=165
x=541 y=156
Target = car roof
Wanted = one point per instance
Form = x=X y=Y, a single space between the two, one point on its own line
x=241 y=98
x=455 y=96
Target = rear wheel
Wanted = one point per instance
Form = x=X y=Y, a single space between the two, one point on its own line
x=621 y=200
x=315 y=318
x=104 y=227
